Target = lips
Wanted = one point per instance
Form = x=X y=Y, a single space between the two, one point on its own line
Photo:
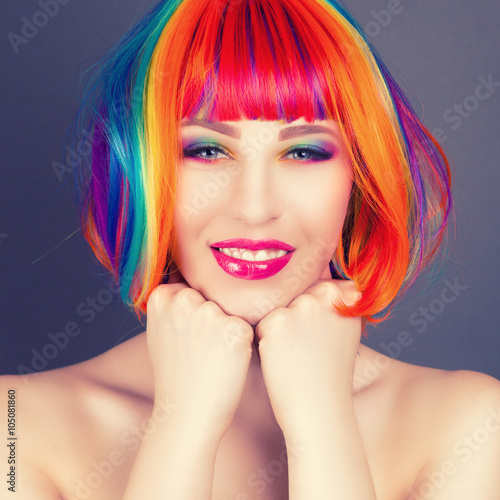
x=248 y=270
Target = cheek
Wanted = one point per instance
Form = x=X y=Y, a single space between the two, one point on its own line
x=338 y=207
x=324 y=207
x=200 y=194
x=190 y=202
x=198 y=200
x=331 y=221
x=187 y=214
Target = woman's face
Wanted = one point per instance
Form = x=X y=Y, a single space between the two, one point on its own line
x=260 y=210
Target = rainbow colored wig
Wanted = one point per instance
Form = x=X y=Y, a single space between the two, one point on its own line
x=223 y=60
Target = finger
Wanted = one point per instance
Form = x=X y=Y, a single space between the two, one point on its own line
x=274 y=320
x=257 y=330
x=348 y=292
x=186 y=297
x=178 y=294
x=335 y=291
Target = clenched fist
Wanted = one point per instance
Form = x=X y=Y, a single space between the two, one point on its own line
x=200 y=355
x=308 y=352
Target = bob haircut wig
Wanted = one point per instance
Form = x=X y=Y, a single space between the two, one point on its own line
x=225 y=60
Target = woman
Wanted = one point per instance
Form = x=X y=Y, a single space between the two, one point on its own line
x=260 y=188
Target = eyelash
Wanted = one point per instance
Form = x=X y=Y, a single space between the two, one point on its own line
x=320 y=154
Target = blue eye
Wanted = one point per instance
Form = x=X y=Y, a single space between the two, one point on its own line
x=209 y=152
x=309 y=154
x=198 y=150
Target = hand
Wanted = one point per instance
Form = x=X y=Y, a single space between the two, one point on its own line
x=308 y=352
x=200 y=355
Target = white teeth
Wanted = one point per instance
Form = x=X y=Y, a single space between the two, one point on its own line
x=261 y=255
x=252 y=255
x=246 y=255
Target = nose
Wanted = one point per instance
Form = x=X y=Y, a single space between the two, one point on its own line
x=255 y=197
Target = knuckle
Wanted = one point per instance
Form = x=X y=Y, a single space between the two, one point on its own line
x=328 y=290
x=305 y=300
x=185 y=297
x=349 y=286
x=157 y=298
x=349 y=292
x=233 y=322
x=209 y=307
x=274 y=320
x=239 y=327
x=327 y=287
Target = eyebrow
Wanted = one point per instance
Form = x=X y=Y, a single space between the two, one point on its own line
x=287 y=133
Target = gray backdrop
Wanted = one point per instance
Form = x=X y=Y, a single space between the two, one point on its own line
x=444 y=52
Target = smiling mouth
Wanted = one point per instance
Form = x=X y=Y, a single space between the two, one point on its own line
x=252 y=260
x=253 y=255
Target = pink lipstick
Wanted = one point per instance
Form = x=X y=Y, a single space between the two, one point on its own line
x=271 y=256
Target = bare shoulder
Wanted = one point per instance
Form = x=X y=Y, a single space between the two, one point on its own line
x=447 y=400
x=472 y=390
x=459 y=396
x=63 y=419
x=456 y=416
x=468 y=404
